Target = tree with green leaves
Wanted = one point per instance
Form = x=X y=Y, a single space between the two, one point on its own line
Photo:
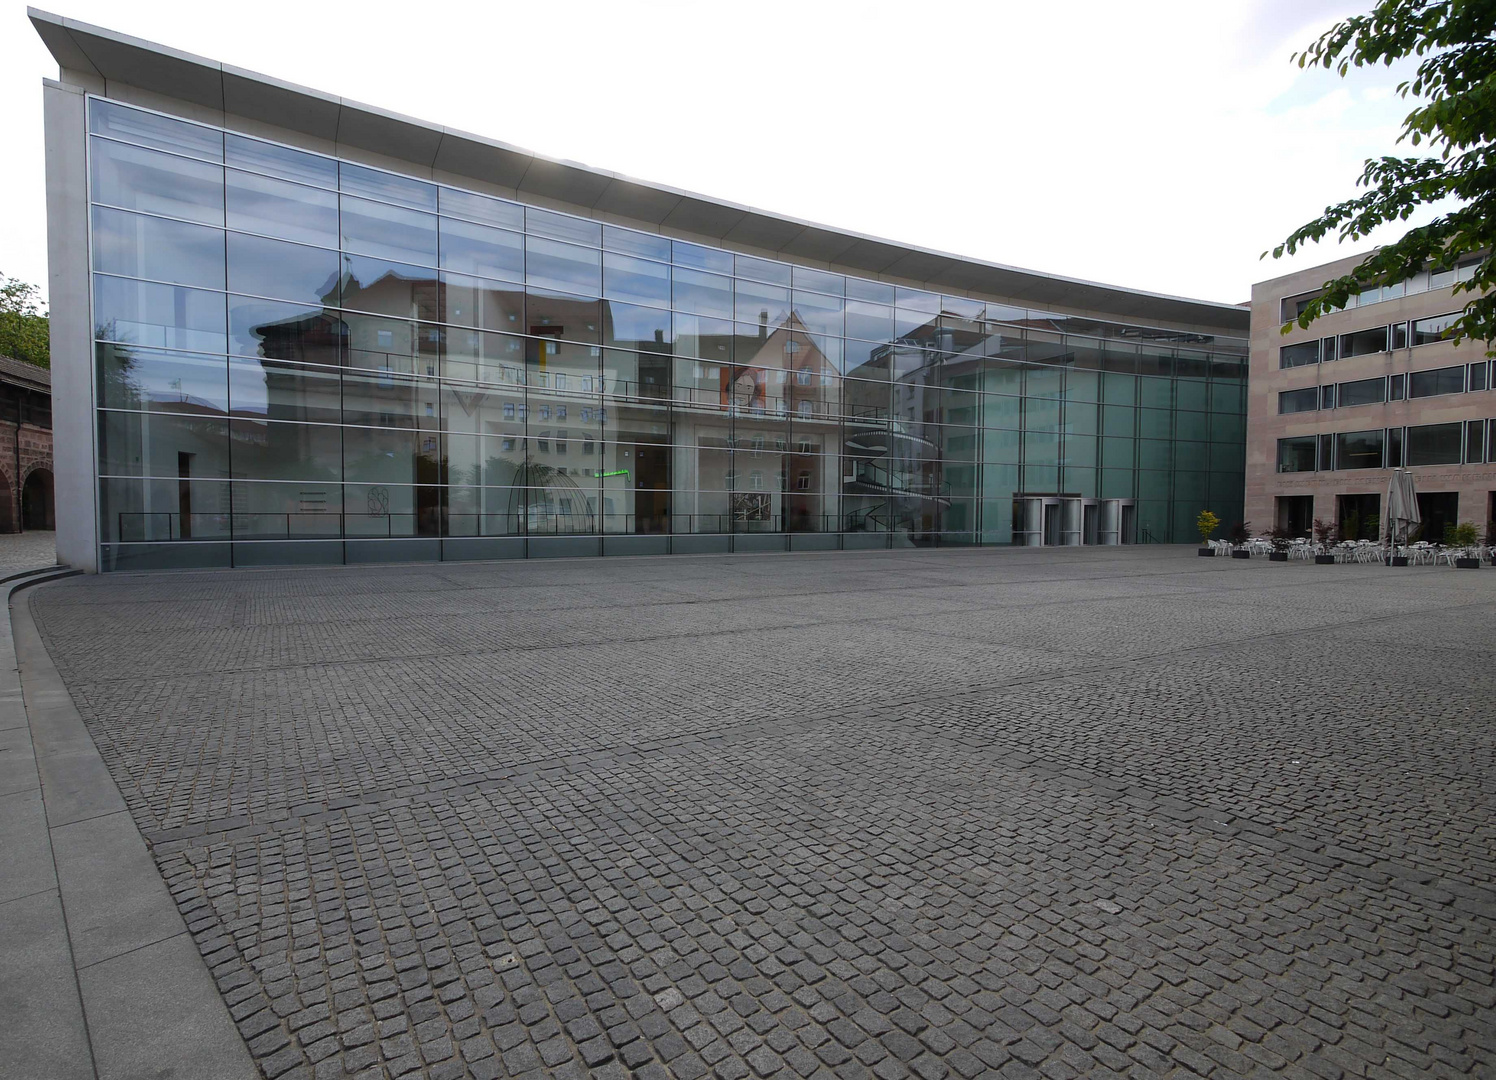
x=1455 y=119
x=23 y=324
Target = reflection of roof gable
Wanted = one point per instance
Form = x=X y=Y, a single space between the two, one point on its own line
x=209 y=84
x=19 y=373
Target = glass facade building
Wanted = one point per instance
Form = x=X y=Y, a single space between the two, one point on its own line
x=301 y=356
x=293 y=351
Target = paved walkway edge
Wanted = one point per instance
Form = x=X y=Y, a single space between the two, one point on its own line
x=99 y=977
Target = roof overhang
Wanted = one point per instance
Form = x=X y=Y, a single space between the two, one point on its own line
x=208 y=84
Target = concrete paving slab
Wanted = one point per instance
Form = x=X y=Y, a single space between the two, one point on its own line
x=42 y=1036
x=115 y=899
x=25 y=852
x=154 y=1013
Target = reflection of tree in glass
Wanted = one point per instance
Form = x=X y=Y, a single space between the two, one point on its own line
x=117 y=387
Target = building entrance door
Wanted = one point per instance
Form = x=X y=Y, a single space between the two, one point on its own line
x=1047 y=521
x=1090 y=518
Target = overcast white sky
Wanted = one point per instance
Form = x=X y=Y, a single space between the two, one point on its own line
x=1156 y=144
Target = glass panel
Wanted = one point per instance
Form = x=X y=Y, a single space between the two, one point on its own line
x=871 y=322
x=563 y=227
x=477 y=249
x=135 y=378
x=273 y=451
x=280 y=161
x=1475 y=440
x=1296 y=455
x=631 y=327
x=164 y=316
x=1359 y=449
x=1434 y=444
x=1362 y=392
x=875 y=291
x=148 y=129
x=286 y=331
x=140 y=511
x=1295 y=401
x=287 y=511
x=155 y=183
x=1300 y=355
x=275 y=390
x=555 y=315
x=552 y=265
x=260 y=204
x=1436 y=328
x=389 y=232
x=636 y=281
x=1478 y=373
x=148 y=247
x=1450 y=380
x=482 y=208
x=818 y=314
x=758 y=303
x=746 y=266
x=480 y=357
x=153 y=444
x=1363 y=342
x=389 y=401
x=486 y=305
x=702 y=293
x=359 y=180
x=384 y=344
x=389 y=456
x=284 y=271
x=702 y=258
x=631 y=242
x=802 y=277
x=390 y=288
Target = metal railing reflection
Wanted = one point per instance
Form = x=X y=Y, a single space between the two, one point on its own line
x=165 y=526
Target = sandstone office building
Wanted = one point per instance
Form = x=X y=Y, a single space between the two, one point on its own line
x=288 y=328
x=1378 y=386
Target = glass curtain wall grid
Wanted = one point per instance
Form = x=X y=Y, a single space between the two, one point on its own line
x=297 y=355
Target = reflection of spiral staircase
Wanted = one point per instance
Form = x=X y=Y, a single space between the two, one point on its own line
x=540 y=496
x=876 y=451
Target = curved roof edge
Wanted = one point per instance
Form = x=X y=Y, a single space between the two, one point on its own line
x=213 y=85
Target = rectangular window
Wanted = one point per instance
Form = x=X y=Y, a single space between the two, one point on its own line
x=1362 y=392
x=1326 y=452
x=389 y=232
x=1400 y=335
x=1359 y=449
x=132 y=178
x=1394 y=448
x=1289 y=356
x=1434 y=444
x=1478 y=376
x=1292 y=307
x=1436 y=381
x=1327 y=349
x=262 y=204
x=1434 y=328
x=1327 y=396
x=1475 y=441
x=1363 y=342
x=1296 y=455
x=1395 y=387
x=149 y=247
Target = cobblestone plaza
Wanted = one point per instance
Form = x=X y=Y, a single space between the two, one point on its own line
x=956 y=813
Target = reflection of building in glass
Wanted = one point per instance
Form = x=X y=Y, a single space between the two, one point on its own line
x=299 y=357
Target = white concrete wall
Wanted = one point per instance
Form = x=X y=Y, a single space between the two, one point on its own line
x=72 y=335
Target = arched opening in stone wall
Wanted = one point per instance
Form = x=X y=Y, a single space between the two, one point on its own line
x=37 y=509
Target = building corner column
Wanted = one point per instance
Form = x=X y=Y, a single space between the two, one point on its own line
x=76 y=493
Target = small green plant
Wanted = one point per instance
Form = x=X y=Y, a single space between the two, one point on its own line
x=1350 y=525
x=1371 y=527
x=1465 y=535
x=1282 y=539
x=1240 y=534
x=1207 y=523
x=1448 y=539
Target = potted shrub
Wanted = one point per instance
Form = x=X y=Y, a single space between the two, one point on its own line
x=1282 y=540
x=1324 y=535
x=1207 y=523
x=1466 y=537
x=1239 y=537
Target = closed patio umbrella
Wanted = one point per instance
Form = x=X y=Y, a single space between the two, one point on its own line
x=1402 y=506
